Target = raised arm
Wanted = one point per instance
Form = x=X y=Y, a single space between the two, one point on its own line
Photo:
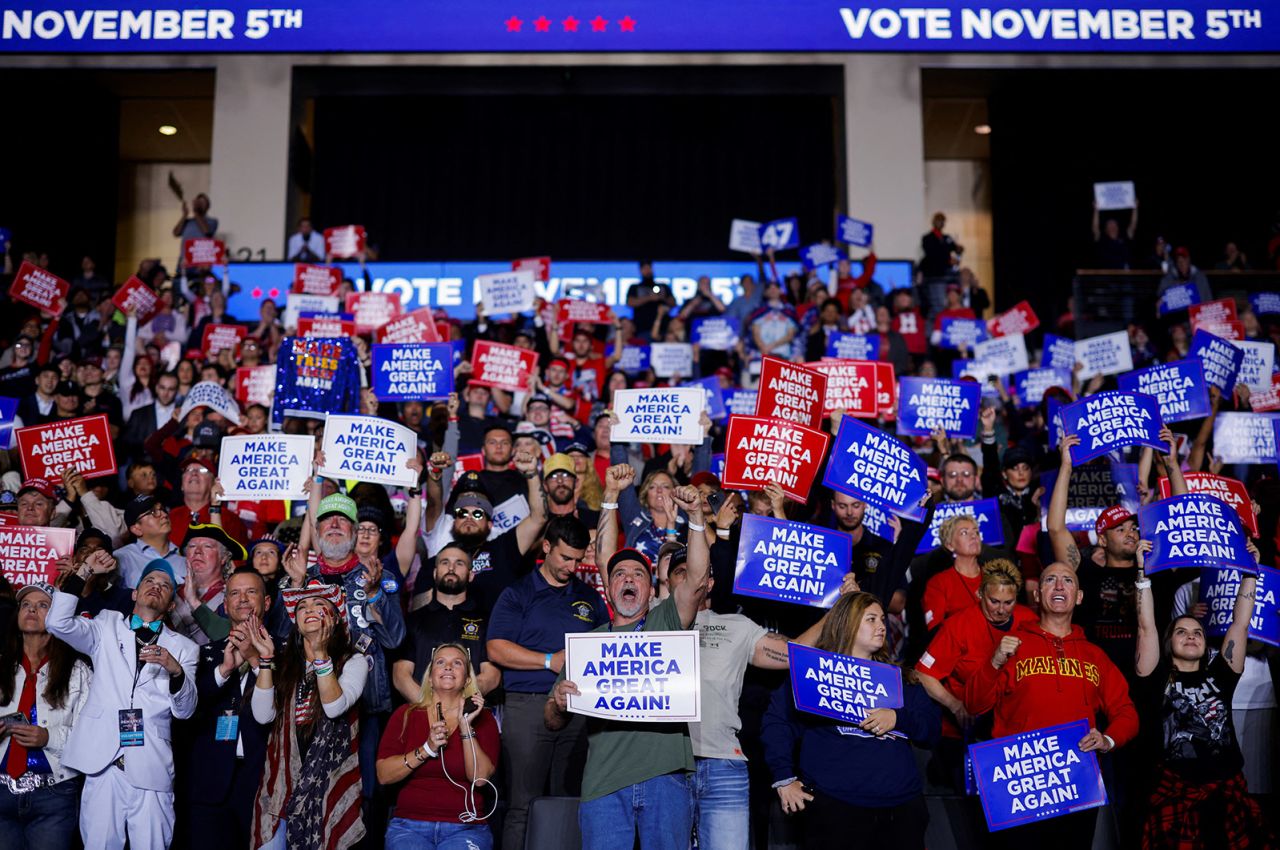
x=407 y=545
x=1064 y=545
x=616 y=479
x=1233 y=642
x=1096 y=226
x=530 y=528
x=1148 y=652
x=693 y=589
x=1133 y=221
x=1177 y=483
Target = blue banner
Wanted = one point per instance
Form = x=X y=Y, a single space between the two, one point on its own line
x=842 y=687
x=820 y=254
x=876 y=467
x=1178 y=387
x=962 y=332
x=1111 y=420
x=1029 y=386
x=715 y=397
x=791 y=561
x=780 y=234
x=740 y=402
x=986 y=512
x=1263 y=303
x=853 y=346
x=1220 y=358
x=1036 y=775
x=1194 y=530
x=1245 y=437
x=416 y=371
x=315 y=377
x=925 y=404
x=634 y=359
x=8 y=409
x=1218 y=588
x=853 y=232
x=1058 y=352
x=1178 y=297
x=715 y=333
x=1094 y=487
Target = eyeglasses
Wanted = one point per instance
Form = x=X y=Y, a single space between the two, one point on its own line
x=959 y=473
x=157 y=512
x=368 y=530
x=561 y=473
x=475 y=513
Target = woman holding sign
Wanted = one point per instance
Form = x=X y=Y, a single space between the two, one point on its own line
x=858 y=785
x=1200 y=798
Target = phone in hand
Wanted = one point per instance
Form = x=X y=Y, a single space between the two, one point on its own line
x=15 y=719
x=716 y=501
x=469 y=705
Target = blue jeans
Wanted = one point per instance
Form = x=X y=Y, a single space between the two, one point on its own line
x=661 y=808
x=405 y=834
x=722 y=803
x=42 y=819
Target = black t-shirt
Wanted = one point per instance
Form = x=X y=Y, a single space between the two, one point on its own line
x=1193 y=711
x=495 y=566
x=646 y=314
x=1113 y=253
x=1109 y=613
x=434 y=624
x=874 y=569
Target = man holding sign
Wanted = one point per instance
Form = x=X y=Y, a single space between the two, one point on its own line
x=620 y=753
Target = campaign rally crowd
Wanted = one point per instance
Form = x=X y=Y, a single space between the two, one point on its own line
x=328 y=579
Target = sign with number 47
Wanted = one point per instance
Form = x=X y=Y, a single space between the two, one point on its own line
x=780 y=235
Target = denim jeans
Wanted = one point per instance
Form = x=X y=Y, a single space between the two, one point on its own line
x=405 y=834
x=42 y=819
x=660 y=808
x=722 y=804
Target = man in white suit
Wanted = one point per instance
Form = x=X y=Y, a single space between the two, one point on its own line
x=144 y=677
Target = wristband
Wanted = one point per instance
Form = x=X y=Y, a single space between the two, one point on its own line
x=1111 y=744
x=319 y=479
x=426 y=752
x=414 y=492
x=693 y=526
x=374 y=598
x=546 y=662
x=529 y=476
x=266 y=664
x=323 y=666
x=608 y=506
x=722 y=533
x=1142 y=585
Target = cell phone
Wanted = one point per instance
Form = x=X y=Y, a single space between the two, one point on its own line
x=15 y=719
x=469 y=705
x=716 y=501
x=439 y=713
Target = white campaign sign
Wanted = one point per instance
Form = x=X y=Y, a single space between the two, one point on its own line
x=1108 y=354
x=265 y=466
x=368 y=448
x=508 y=292
x=1259 y=362
x=635 y=676
x=744 y=236
x=671 y=358
x=213 y=396
x=1001 y=356
x=659 y=415
x=298 y=302
x=1119 y=195
x=1245 y=437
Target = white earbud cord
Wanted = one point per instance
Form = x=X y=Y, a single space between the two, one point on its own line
x=469 y=813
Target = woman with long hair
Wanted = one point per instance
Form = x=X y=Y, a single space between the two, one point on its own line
x=857 y=785
x=43 y=686
x=439 y=750
x=310 y=794
x=955 y=590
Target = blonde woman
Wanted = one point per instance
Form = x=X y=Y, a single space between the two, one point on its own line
x=955 y=590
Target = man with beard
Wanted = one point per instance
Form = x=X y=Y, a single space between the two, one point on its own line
x=450 y=617
x=526 y=640
x=873 y=565
x=560 y=480
x=637 y=774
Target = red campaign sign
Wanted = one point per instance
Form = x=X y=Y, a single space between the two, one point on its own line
x=540 y=266
x=1269 y=400
x=1213 y=312
x=30 y=553
x=503 y=366
x=218 y=337
x=1020 y=319
x=468 y=463
x=760 y=451
x=84 y=443
x=326 y=326
x=1229 y=490
x=344 y=242
x=570 y=312
x=204 y=252
x=791 y=392
x=39 y=288
x=372 y=309
x=8 y=518
x=887 y=391
x=418 y=326
x=255 y=385
x=137 y=295
x=852 y=386
x=1222 y=330
x=316 y=280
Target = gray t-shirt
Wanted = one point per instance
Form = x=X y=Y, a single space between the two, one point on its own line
x=727 y=642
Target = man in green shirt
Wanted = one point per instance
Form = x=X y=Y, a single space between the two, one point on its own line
x=637 y=775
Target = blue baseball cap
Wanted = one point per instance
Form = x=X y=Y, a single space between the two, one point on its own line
x=159 y=565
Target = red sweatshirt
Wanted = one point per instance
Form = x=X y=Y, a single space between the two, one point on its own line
x=1052 y=680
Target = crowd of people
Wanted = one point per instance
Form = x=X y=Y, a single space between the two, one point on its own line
x=385 y=666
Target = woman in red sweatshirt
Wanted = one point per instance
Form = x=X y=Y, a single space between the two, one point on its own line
x=1045 y=674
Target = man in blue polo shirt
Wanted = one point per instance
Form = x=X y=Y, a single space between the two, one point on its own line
x=526 y=639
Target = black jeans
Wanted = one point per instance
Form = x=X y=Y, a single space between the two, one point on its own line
x=833 y=823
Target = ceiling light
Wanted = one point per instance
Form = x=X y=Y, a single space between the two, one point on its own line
x=983 y=129
x=170 y=130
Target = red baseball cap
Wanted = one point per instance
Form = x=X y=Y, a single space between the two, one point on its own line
x=40 y=485
x=1112 y=517
x=704 y=477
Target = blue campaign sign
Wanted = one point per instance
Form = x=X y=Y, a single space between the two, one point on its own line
x=740 y=402
x=1265 y=302
x=1178 y=388
x=715 y=397
x=1194 y=530
x=1036 y=775
x=1029 y=386
x=635 y=358
x=459 y=350
x=791 y=561
x=1221 y=359
x=870 y=465
x=986 y=512
x=842 y=687
x=780 y=234
x=716 y=333
x=962 y=332
x=415 y=371
x=1178 y=298
x=1053 y=410
x=8 y=409
x=5 y=238
x=717 y=462
x=853 y=232
x=1058 y=352
x=1111 y=420
x=820 y=254
x=1218 y=588
x=844 y=346
x=925 y=404
x=1094 y=487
